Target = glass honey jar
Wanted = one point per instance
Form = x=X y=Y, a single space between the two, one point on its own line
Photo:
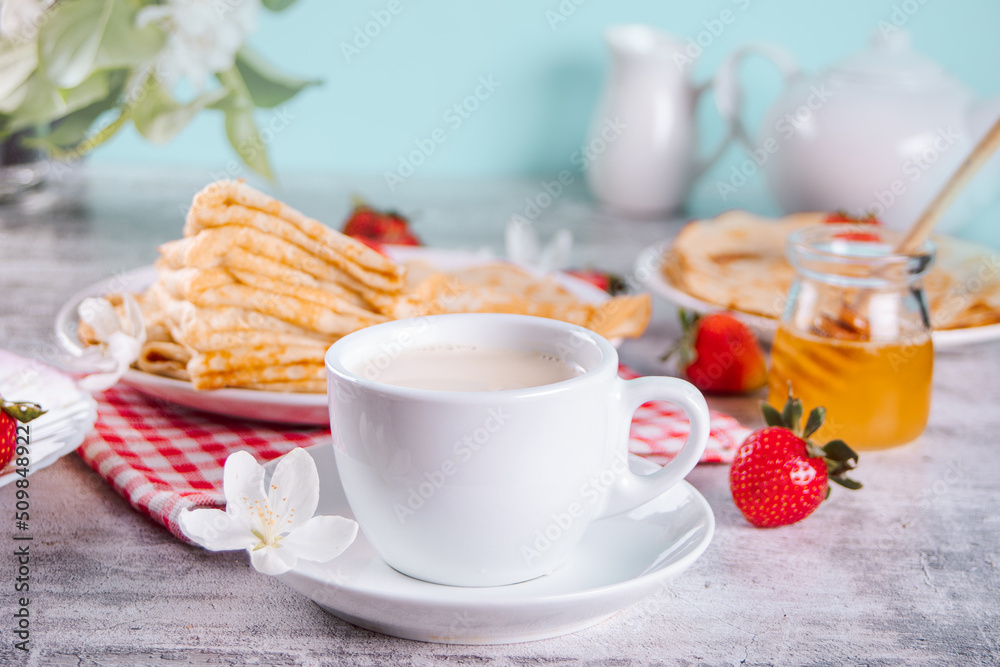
x=855 y=336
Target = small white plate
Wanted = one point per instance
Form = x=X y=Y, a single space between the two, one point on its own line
x=285 y=408
x=620 y=560
x=70 y=411
x=648 y=267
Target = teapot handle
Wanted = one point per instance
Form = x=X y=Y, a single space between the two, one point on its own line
x=702 y=164
x=729 y=93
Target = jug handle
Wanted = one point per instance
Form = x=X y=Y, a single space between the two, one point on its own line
x=729 y=93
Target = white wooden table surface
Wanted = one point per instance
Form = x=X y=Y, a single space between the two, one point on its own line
x=906 y=571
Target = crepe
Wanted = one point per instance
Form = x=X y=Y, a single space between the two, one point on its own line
x=165 y=358
x=237 y=248
x=501 y=287
x=737 y=261
x=235 y=203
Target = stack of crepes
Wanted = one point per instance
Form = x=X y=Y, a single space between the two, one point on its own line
x=255 y=293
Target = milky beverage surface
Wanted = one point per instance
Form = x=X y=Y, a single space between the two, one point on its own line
x=468 y=368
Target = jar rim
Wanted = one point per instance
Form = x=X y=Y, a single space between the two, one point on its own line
x=851 y=252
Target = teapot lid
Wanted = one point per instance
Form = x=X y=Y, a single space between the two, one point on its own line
x=890 y=60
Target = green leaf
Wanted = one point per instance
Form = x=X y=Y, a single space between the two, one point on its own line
x=23 y=412
x=792 y=412
x=106 y=131
x=815 y=420
x=69 y=40
x=158 y=117
x=241 y=129
x=278 y=5
x=95 y=88
x=40 y=103
x=771 y=415
x=846 y=482
x=18 y=60
x=267 y=86
x=83 y=105
x=237 y=93
x=124 y=44
x=70 y=130
x=688 y=319
x=245 y=138
x=839 y=451
x=15 y=98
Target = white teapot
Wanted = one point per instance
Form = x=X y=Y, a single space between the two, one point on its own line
x=879 y=132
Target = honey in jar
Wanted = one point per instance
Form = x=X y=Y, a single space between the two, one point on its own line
x=876 y=394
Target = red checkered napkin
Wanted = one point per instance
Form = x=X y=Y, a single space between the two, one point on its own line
x=659 y=430
x=164 y=458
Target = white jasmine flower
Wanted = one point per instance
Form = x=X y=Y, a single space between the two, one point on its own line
x=121 y=338
x=203 y=36
x=524 y=247
x=276 y=527
x=21 y=19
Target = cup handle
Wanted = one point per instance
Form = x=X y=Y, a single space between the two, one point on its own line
x=631 y=490
x=728 y=92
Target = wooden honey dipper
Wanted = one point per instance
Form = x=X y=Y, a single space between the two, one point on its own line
x=921 y=228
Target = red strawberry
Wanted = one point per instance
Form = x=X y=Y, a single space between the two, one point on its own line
x=10 y=414
x=719 y=353
x=612 y=283
x=779 y=476
x=842 y=217
x=370 y=224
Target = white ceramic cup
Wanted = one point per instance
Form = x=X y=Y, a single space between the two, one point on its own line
x=493 y=487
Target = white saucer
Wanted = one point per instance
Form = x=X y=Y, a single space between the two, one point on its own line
x=285 y=408
x=620 y=561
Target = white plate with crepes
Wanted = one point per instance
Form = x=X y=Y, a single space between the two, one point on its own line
x=650 y=266
x=70 y=412
x=287 y=408
x=621 y=560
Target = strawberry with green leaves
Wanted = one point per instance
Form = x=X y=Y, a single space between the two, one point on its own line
x=374 y=227
x=10 y=415
x=719 y=353
x=612 y=283
x=779 y=476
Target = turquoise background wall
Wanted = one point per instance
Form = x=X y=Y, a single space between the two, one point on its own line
x=376 y=101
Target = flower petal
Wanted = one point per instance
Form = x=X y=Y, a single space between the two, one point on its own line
x=100 y=315
x=243 y=484
x=133 y=323
x=294 y=486
x=215 y=530
x=321 y=538
x=272 y=560
x=148 y=14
